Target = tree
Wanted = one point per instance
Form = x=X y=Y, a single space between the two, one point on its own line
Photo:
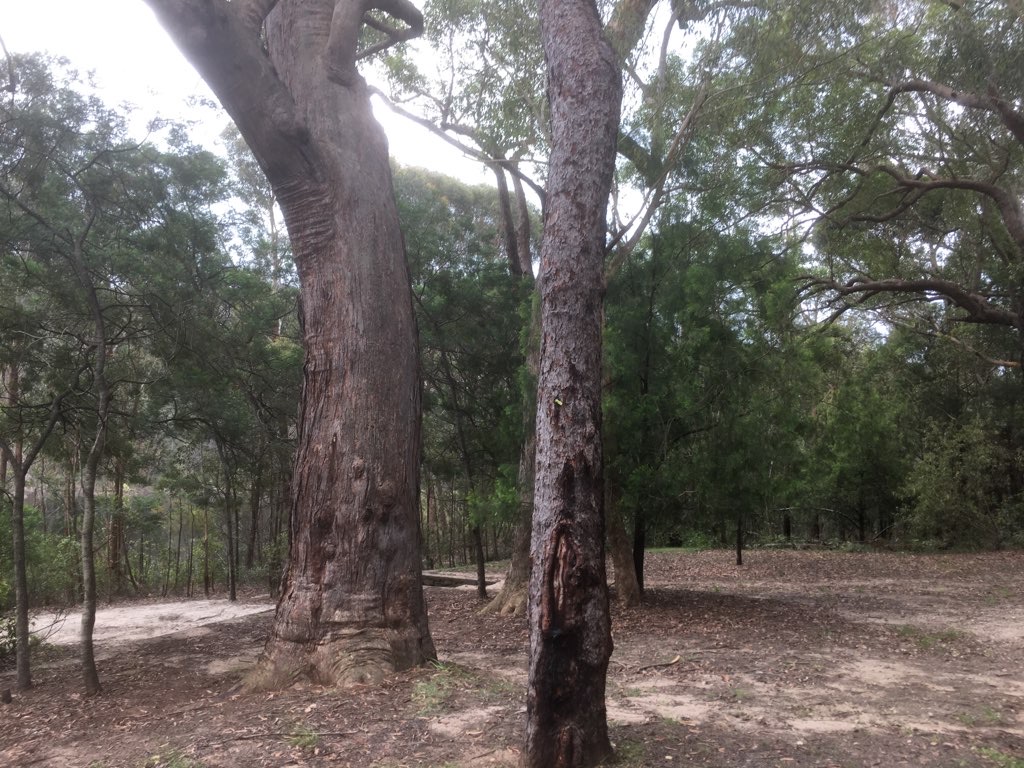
x=42 y=237
x=570 y=630
x=893 y=142
x=352 y=607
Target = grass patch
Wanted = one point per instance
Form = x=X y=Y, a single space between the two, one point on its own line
x=172 y=758
x=983 y=718
x=303 y=737
x=926 y=640
x=432 y=694
x=500 y=688
x=629 y=754
x=1001 y=759
x=998 y=595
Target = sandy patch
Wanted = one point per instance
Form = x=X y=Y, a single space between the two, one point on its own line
x=471 y=722
x=140 y=621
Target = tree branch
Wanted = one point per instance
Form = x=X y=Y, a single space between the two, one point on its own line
x=394 y=35
x=940 y=334
x=642 y=220
x=477 y=154
x=990 y=102
x=220 y=41
x=1009 y=205
x=979 y=308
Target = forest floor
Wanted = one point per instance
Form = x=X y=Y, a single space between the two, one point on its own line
x=798 y=658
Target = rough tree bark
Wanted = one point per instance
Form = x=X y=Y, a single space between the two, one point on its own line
x=570 y=630
x=351 y=607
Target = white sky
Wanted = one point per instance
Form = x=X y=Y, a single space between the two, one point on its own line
x=134 y=61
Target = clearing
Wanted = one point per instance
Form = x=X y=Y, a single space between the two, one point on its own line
x=802 y=658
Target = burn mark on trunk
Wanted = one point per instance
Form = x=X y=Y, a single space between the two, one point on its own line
x=556 y=620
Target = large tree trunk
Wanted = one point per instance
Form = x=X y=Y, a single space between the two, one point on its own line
x=570 y=629
x=352 y=605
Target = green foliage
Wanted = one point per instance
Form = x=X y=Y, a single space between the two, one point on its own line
x=7 y=638
x=468 y=309
x=202 y=344
x=959 y=489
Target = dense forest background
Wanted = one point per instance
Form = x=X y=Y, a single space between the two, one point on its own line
x=812 y=323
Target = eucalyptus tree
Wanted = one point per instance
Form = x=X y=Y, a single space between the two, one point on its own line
x=352 y=606
x=892 y=139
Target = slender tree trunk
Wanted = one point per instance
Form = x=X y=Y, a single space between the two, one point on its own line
x=862 y=527
x=511 y=598
x=232 y=538
x=168 y=554
x=177 y=550
x=739 y=538
x=90 y=676
x=41 y=496
x=428 y=528
x=627 y=586
x=70 y=526
x=639 y=547
x=20 y=462
x=21 y=625
x=256 y=493
x=481 y=564
x=116 y=543
x=570 y=629
x=207 y=585
x=142 y=559
x=191 y=551
x=237 y=543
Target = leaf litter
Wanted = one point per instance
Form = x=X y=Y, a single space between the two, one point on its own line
x=806 y=658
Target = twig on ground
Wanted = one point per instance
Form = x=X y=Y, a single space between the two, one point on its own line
x=663 y=664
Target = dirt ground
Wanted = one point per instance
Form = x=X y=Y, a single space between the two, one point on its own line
x=795 y=659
